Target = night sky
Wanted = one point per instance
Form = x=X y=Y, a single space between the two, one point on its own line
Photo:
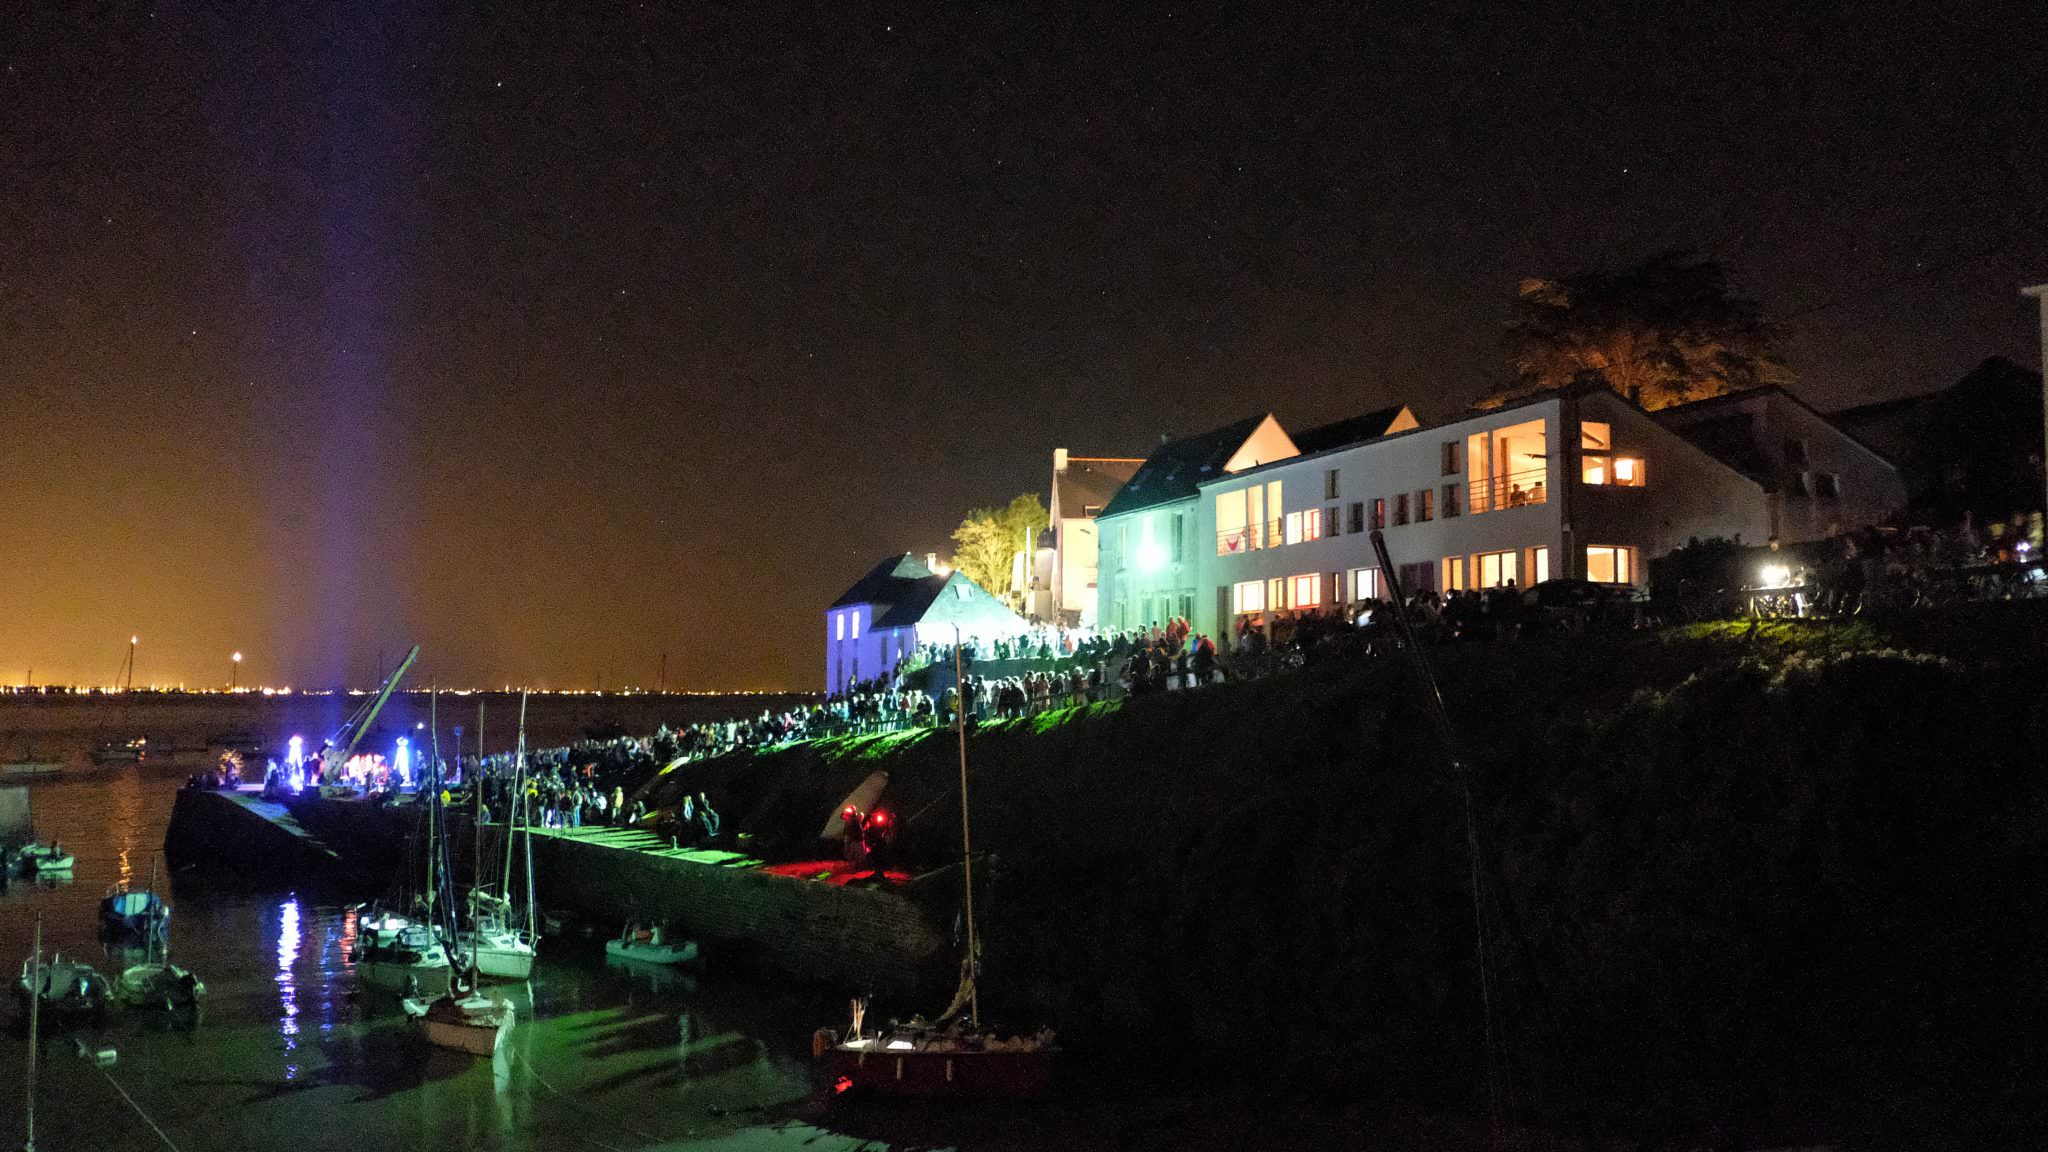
x=556 y=337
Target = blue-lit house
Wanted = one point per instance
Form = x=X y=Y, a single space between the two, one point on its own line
x=900 y=604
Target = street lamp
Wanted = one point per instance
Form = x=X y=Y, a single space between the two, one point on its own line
x=235 y=673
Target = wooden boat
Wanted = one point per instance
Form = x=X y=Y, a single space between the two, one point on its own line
x=956 y=1059
x=647 y=946
x=465 y=1022
x=928 y=1062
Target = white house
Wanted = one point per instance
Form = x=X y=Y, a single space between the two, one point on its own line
x=1819 y=479
x=1082 y=487
x=1573 y=483
x=898 y=605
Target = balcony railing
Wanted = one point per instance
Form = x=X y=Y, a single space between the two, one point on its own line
x=1231 y=541
x=1514 y=490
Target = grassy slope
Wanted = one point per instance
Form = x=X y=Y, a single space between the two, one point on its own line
x=1758 y=873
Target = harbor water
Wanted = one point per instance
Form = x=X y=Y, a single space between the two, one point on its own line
x=290 y=1049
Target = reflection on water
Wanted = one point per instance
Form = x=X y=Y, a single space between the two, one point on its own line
x=622 y=1057
x=287 y=990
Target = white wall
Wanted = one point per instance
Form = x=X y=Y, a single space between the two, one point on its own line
x=1137 y=565
x=1382 y=469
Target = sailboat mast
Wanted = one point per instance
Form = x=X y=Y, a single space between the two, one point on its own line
x=966 y=838
x=526 y=838
x=518 y=793
x=35 y=1002
x=149 y=928
x=433 y=786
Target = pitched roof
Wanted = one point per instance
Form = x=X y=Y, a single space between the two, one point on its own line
x=952 y=599
x=1176 y=468
x=1344 y=433
x=1089 y=481
x=887 y=582
x=1678 y=416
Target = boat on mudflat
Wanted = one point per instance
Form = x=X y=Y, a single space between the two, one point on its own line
x=465 y=1022
x=954 y=1055
x=934 y=1062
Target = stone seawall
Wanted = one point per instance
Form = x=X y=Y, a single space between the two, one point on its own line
x=859 y=939
x=252 y=840
x=863 y=939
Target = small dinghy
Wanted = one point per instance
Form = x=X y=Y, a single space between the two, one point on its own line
x=43 y=859
x=463 y=1021
x=647 y=946
x=160 y=985
x=65 y=988
x=133 y=913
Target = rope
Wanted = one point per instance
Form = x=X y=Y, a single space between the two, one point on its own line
x=168 y=1142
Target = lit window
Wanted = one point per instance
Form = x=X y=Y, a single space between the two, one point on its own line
x=1595 y=470
x=1312 y=524
x=839 y=626
x=1595 y=437
x=1249 y=596
x=856 y=622
x=1366 y=584
x=1237 y=521
x=1454 y=573
x=1494 y=569
x=1379 y=513
x=1276 y=593
x=1308 y=591
x=1539 y=565
x=1609 y=564
x=960 y=590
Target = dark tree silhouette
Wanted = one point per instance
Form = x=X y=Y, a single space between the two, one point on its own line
x=1668 y=330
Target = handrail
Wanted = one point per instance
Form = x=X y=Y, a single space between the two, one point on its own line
x=1513 y=490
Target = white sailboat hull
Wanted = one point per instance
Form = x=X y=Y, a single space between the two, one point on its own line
x=505 y=962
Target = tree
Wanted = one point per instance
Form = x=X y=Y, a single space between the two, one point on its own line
x=1668 y=330
x=985 y=543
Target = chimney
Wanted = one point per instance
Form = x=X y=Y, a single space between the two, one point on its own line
x=1059 y=461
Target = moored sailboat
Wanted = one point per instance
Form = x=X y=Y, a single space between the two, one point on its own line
x=953 y=1055
x=461 y=1019
x=156 y=982
x=494 y=942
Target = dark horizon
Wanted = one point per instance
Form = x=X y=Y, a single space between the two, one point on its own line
x=555 y=342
